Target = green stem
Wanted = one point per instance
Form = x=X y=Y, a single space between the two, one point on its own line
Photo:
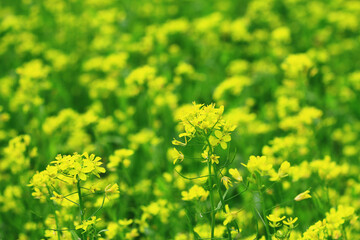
x=57 y=224
x=211 y=192
x=212 y=203
x=102 y=205
x=56 y=218
x=344 y=232
x=262 y=203
x=81 y=205
x=219 y=189
x=257 y=225
x=221 y=199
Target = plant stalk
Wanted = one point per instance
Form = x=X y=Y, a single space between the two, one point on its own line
x=81 y=205
x=262 y=203
x=222 y=200
x=212 y=202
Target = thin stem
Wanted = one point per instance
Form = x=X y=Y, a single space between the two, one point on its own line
x=70 y=194
x=65 y=197
x=191 y=178
x=81 y=205
x=344 y=232
x=238 y=194
x=59 y=230
x=56 y=219
x=221 y=200
x=262 y=203
x=256 y=224
x=102 y=205
x=211 y=192
x=212 y=203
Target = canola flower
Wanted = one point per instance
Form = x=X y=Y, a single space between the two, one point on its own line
x=274 y=220
x=72 y=170
x=205 y=121
x=290 y=221
x=87 y=224
x=332 y=225
x=68 y=168
x=226 y=181
x=303 y=196
x=259 y=163
x=195 y=192
x=178 y=156
x=235 y=174
x=230 y=216
x=207 y=124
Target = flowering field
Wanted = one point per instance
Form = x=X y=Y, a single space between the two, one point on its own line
x=182 y=120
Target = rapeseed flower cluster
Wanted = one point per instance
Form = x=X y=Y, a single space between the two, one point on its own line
x=333 y=225
x=68 y=169
x=205 y=121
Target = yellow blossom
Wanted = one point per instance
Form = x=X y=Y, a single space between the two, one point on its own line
x=230 y=216
x=109 y=190
x=125 y=222
x=274 y=218
x=221 y=138
x=260 y=164
x=235 y=174
x=226 y=181
x=195 y=192
x=57 y=196
x=177 y=156
x=302 y=196
x=290 y=221
x=87 y=223
x=214 y=159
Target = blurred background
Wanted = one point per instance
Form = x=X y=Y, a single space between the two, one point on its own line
x=101 y=76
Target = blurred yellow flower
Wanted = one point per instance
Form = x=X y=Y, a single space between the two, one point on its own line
x=302 y=196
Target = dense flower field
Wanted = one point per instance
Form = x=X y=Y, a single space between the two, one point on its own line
x=179 y=120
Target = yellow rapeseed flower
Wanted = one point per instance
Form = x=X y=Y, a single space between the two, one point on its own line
x=235 y=174
x=87 y=223
x=226 y=181
x=177 y=156
x=230 y=216
x=259 y=164
x=303 y=195
x=273 y=218
x=290 y=221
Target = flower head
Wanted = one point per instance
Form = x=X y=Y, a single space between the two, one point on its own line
x=87 y=224
x=214 y=159
x=273 y=218
x=109 y=190
x=177 y=156
x=259 y=164
x=221 y=138
x=290 y=221
x=230 y=216
x=303 y=195
x=202 y=120
x=57 y=196
x=235 y=174
x=226 y=181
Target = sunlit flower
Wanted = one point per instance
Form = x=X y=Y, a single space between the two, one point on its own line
x=290 y=221
x=109 y=190
x=230 y=216
x=302 y=196
x=177 y=156
x=88 y=223
x=235 y=174
x=226 y=181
